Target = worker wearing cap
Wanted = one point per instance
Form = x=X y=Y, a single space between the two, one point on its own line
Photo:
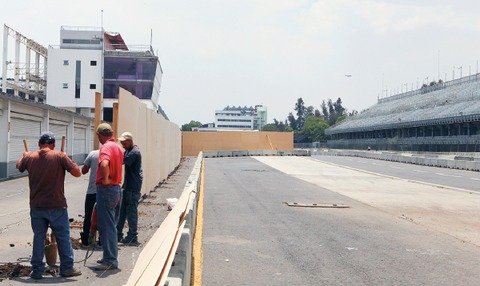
x=132 y=185
x=48 y=205
x=108 y=180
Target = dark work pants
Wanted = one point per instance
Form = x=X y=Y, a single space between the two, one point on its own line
x=129 y=213
x=90 y=201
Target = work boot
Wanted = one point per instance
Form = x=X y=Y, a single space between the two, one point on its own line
x=71 y=272
x=36 y=275
x=105 y=267
x=130 y=241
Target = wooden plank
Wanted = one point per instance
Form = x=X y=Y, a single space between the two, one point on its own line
x=317 y=205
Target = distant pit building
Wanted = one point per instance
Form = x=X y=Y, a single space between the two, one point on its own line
x=237 y=118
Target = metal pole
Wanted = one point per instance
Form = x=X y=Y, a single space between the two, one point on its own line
x=4 y=62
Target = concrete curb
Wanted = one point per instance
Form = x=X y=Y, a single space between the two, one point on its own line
x=453 y=162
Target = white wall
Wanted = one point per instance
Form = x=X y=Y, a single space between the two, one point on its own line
x=233 y=115
x=58 y=74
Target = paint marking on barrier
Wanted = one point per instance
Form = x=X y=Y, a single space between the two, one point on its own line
x=197 y=241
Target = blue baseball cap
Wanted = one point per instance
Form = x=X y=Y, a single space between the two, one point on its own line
x=47 y=138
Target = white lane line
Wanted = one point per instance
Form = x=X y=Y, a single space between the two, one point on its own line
x=376 y=164
x=475 y=179
x=420 y=171
x=447 y=175
x=395 y=167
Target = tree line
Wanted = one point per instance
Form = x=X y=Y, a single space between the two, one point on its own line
x=309 y=122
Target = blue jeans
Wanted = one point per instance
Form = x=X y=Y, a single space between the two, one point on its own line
x=129 y=213
x=57 y=219
x=108 y=209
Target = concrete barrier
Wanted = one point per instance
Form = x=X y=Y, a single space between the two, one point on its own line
x=434 y=160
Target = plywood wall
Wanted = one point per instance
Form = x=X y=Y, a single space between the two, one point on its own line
x=194 y=142
x=158 y=139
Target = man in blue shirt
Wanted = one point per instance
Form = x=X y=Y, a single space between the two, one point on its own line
x=132 y=186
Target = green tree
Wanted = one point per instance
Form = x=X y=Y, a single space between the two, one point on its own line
x=301 y=113
x=325 y=112
x=341 y=118
x=188 y=126
x=314 y=128
x=292 y=121
x=270 y=127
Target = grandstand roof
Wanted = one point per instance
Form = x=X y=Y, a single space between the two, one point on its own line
x=444 y=103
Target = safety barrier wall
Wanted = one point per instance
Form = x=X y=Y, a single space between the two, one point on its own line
x=175 y=235
x=195 y=142
x=157 y=138
x=457 y=162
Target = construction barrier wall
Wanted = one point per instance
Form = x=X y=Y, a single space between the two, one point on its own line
x=157 y=138
x=194 y=142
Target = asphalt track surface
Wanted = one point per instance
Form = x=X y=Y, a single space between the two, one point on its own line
x=464 y=179
x=250 y=237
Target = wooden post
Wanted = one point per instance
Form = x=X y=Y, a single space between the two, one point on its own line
x=96 y=121
x=62 y=148
x=115 y=120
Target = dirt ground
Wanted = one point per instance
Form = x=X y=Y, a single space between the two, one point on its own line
x=152 y=211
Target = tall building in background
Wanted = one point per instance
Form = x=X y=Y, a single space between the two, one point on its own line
x=260 y=117
x=241 y=118
x=91 y=60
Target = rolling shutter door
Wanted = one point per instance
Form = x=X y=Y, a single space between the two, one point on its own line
x=21 y=129
x=59 y=130
x=80 y=135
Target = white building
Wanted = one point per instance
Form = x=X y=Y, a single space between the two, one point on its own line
x=88 y=54
x=241 y=118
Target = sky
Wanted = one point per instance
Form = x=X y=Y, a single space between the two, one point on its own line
x=218 y=53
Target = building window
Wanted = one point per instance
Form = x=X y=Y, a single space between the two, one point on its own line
x=78 y=110
x=93 y=63
x=78 y=73
x=65 y=62
x=93 y=86
x=65 y=85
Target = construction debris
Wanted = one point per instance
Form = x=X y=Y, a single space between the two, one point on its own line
x=338 y=206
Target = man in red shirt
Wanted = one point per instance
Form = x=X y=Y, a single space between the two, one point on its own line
x=108 y=180
x=48 y=205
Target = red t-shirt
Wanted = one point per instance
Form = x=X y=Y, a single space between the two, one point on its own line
x=113 y=153
x=46 y=175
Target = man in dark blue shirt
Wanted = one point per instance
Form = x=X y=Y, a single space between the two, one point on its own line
x=132 y=185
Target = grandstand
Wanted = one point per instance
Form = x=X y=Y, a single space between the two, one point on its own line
x=443 y=117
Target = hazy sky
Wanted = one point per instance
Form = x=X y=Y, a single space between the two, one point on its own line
x=216 y=53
